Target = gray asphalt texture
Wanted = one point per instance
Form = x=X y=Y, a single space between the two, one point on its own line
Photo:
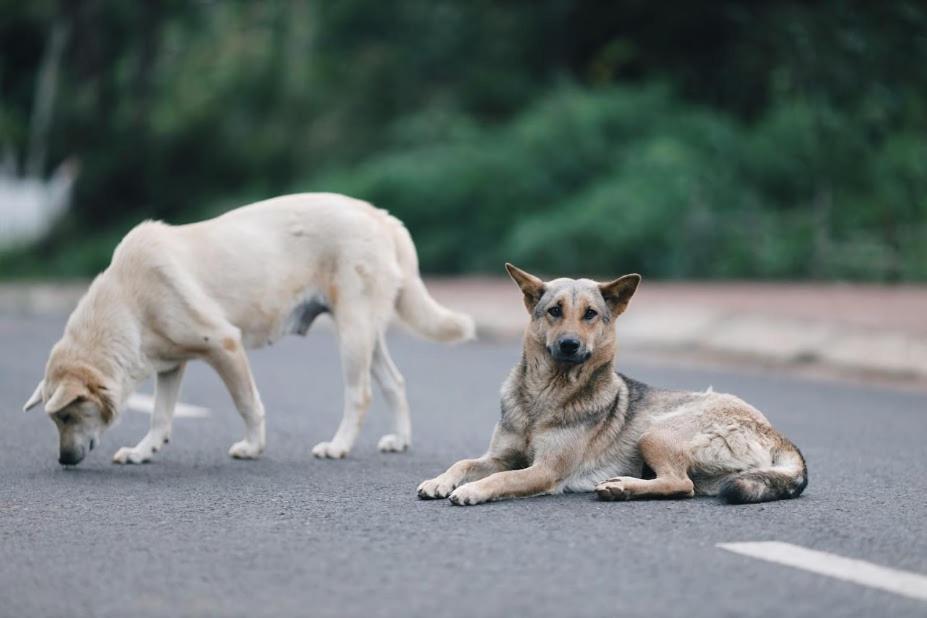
x=196 y=533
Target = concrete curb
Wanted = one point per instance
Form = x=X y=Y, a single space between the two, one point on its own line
x=761 y=339
x=785 y=342
x=742 y=334
x=653 y=326
x=40 y=298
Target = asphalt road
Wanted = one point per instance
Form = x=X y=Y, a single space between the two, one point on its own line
x=196 y=533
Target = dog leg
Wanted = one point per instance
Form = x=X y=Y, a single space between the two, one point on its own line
x=504 y=453
x=394 y=391
x=231 y=363
x=167 y=389
x=464 y=471
x=533 y=480
x=663 y=452
x=357 y=341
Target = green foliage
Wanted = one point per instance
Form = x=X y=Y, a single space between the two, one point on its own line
x=618 y=179
x=769 y=139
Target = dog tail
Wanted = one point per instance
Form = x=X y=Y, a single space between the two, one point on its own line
x=417 y=308
x=786 y=478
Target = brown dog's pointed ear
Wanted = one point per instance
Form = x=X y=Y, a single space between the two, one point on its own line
x=65 y=394
x=531 y=286
x=618 y=293
x=36 y=398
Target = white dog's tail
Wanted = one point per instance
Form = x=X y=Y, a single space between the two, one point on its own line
x=415 y=305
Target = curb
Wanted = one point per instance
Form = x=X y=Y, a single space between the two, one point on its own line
x=44 y=299
x=760 y=339
x=741 y=335
x=662 y=327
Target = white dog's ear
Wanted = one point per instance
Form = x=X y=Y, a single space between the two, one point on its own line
x=532 y=287
x=36 y=398
x=618 y=293
x=66 y=393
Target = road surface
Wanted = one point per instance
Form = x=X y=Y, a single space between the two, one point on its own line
x=195 y=533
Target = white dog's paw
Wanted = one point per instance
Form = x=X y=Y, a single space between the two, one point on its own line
x=245 y=450
x=329 y=450
x=393 y=443
x=613 y=489
x=439 y=487
x=468 y=494
x=132 y=455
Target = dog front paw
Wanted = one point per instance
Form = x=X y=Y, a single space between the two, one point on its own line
x=439 y=487
x=245 y=450
x=393 y=443
x=132 y=455
x=467 y=495
x=613 y=489
x=329 y=450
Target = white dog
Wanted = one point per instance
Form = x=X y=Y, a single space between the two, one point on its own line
x=210 y=290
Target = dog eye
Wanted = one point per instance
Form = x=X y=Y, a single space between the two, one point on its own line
x=555 y=311
x=590 y=313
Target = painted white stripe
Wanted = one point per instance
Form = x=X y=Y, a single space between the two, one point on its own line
x=145 y=403
x=905 y=583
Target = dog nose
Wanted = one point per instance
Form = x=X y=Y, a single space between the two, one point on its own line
x=70 y=458
x=569 y=346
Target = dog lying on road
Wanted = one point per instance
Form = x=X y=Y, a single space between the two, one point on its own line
x=571 y=423
x=210 y=290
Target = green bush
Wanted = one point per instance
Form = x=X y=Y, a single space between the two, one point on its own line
x=608 y=180
x=724 y=139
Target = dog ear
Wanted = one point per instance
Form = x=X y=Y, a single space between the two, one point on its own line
x=531 y=286
x=65 y=394
x=618 y=293
x=36 y=398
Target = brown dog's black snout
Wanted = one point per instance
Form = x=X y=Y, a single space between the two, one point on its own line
x=569 y=349
x=568 y=346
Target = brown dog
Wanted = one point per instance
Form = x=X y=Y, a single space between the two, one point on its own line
x=570 y=422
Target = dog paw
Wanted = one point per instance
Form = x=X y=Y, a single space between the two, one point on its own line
x=613 y=489
x=467 y=495
x=245 y=450
x=329 y=450
x=439 y=487
x=131 y=455
x=393 y=443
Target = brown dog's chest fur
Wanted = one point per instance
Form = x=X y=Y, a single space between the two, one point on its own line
x=539 y=398
x=544 y=401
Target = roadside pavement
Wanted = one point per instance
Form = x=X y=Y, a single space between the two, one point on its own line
x=870 y=331
x=859 y=330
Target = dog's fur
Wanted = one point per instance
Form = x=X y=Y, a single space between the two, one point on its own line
x=210 y=290
x=570 y=422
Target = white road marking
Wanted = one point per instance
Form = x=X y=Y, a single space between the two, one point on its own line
x=913 y=585
x=145 y=403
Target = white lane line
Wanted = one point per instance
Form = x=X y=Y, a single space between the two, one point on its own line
x=913 y=585
x=145 y=403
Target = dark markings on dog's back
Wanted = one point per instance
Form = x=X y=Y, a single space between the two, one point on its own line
x=637 y=391
x=608 y=418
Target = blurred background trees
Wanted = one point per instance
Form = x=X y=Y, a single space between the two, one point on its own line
x=681 y=139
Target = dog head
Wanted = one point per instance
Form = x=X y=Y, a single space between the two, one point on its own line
x=572 y=318
x=78 y=402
